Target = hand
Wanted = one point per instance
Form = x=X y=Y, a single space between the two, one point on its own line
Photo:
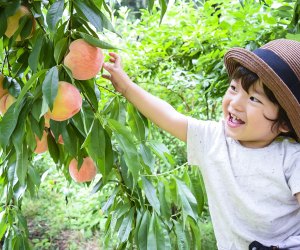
x=118 y=77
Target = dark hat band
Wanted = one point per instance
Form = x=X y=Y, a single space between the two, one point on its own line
x=282 y=69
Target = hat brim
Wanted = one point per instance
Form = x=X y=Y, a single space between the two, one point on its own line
x=246 y=58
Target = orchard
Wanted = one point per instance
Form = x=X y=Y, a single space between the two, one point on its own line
x=53 y=101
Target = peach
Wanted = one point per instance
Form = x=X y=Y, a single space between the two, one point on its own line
x=5 y=102
x=2 y=90
x=41 y=144
x=67 y=102
x=84 y=60
x=13 y=22
x=87 y=171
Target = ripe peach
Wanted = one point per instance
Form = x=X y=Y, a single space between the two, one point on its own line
x=41 y=144
x=5 y=102
x=67 y=102
x=87 y=171
x=13 y=22
x=84 y=60
x=2 y=90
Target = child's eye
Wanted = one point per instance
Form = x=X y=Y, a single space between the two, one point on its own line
x=253 y=99
x=232 y=87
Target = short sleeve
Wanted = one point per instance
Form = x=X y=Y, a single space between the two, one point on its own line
x=293 y=173
x=200 y=136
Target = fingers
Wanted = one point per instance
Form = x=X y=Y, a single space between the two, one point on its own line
x=115 y=58
x=108 y=77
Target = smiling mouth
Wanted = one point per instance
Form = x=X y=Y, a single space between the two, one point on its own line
x=235 y=120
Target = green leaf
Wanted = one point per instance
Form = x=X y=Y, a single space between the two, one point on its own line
x=147 y=156
x=162 y=152
x=182 y=243
x=136 y=123
x=8 y=124
x=107 y=24
x=28 y=85
x=53 y=148
x=99 y=148
x=158 y=237
x=96 y=41
x=3 y=21
x=150 y=5
x=198 y=191
x=3 y=224
x=27 y=26
x=188 y=201
x=71 y=141
x=143 y=231
x=162 y=235
x=164 y=205
x=111 y=199
x=50 y=86
x=22 y=164
x=60 y=49
x=163 y=4
x=91 y=13
x=125 y=141
x=34 y=57
x=150 y=193
x=88 y=88
x=54 y=14
x=126 y=226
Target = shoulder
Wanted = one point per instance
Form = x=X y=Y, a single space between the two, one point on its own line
x=290 y=147
x=203 y=126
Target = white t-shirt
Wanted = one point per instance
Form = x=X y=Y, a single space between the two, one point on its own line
x=250 y=191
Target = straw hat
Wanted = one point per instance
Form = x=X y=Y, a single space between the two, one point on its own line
x=277 y=64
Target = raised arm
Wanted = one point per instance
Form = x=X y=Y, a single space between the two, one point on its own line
x=158 y=111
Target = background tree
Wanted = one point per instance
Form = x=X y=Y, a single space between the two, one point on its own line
x=154 y=202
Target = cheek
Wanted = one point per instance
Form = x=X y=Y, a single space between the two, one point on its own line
x=225 y=103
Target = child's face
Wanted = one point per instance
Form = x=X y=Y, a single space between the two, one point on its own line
x=246 y=115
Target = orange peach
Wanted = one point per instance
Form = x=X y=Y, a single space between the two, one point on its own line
x=13 y=22
x=5 y=102
x=2 y=90
x=67 y=102
x=87 y=171
x=41 y=144
x=84 y=60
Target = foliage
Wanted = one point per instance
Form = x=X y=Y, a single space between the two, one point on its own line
x=152 y=203
x=61 y=207
x=183 y=57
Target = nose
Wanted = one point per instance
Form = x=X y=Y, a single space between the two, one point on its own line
x=238 y=102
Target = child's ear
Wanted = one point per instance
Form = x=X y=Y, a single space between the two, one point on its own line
x=284 y=128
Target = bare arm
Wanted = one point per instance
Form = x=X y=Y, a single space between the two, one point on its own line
x=155 y=109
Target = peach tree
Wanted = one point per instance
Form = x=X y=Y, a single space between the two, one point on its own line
x=52 y=100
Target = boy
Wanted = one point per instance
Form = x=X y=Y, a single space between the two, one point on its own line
x=251 y=177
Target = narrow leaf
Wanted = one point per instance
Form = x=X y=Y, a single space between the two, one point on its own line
x=60 y=49
x=125 y=141
x=54 y=14
x=34 y=57
x=96 y=41
x=91 y=14
x=50 y=86
x=150 y=193
x=126 y=226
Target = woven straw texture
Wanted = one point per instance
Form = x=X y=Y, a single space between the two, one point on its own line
x=287 y=50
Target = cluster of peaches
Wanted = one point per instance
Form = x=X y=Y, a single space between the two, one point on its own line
x=85 y=61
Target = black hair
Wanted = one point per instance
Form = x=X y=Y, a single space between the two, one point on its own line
x=248 y=78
